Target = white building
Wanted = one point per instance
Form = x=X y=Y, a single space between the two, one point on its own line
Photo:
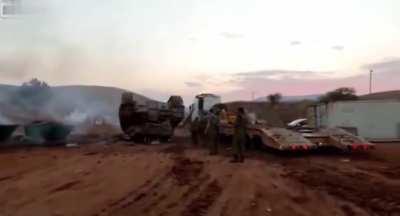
x=371 y=119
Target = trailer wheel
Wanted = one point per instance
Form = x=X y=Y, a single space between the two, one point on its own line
x=164 y=139
x=257 y=142
x=249 y=143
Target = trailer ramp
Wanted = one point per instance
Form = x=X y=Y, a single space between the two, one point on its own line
x=345 y=140
x=284 y=139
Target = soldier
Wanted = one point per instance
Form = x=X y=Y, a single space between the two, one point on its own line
x=239 y=136
x=212 y=131
x=194 y=131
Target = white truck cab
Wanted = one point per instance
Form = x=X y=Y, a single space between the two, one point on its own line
x=202 y=104
x=9 y=8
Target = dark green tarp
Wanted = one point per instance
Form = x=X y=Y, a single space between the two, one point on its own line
x=47 y=131
x=6 y=131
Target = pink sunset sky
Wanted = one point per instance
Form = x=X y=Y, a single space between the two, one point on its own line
x=232 y=48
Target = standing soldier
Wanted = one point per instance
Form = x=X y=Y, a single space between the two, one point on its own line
x=194 y=131
x=239 y=136
x=212 y=131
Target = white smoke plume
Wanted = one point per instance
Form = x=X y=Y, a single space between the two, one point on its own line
x=67 y=41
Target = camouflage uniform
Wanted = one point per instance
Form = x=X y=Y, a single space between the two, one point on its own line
x=239 y=137
x=213 y=133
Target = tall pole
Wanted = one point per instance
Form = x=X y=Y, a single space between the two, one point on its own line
x=370 y=81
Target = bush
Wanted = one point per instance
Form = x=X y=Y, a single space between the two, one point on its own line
x=340 y=94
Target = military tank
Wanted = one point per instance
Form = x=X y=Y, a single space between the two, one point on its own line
x=145 y=123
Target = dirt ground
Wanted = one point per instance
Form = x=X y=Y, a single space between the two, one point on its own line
x=178 y=179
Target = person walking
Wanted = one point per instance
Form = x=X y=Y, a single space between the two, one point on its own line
x=239 y=136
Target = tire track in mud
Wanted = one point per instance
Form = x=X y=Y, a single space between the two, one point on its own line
x=225 y=208
x=134 y=196
x=190 y=173
x=5 y=178
x=391 y=172
x=142 y=191
x=186 y=176
x=65 y=186
x=366 y=191
x=200 y=205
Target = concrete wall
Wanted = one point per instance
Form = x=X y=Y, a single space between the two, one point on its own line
x=378 y=119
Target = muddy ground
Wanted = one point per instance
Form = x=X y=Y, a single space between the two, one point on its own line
x=178 y=179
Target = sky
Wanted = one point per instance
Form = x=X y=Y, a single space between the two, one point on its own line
x=238 y=49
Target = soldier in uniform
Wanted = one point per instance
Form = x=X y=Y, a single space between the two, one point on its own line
x=212 y=131
x=194 y=131
x=239 y=136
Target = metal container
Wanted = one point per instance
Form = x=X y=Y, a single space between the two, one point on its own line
x=6 y=131
x=371 y=119
x=47 y=131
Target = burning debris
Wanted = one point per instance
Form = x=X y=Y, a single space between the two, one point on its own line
x=36 y=133
x=48 y=116
x=47 y=132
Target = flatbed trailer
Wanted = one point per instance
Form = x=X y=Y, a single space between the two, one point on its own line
x=283 y=139
x=339 y=138
x=276 y=138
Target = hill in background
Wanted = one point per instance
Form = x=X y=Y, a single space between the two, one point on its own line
x=296 y=98
x=77 y=103
x=67 y=103
x=294 y=107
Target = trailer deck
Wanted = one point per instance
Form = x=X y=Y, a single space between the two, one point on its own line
x=287 y=140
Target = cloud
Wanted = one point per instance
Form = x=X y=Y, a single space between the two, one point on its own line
x=295 y=43
x=289 y=86
x=192 y=39
x=231 y=35
x=338 y=47
x=386 y=77
x=76 y=47
x=280 y=74
x=389 y=65
x=193 y=84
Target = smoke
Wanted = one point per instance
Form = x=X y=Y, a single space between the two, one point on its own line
x=63 y=41
x=4 y=120
x=83 y=107
x=92 y=113
x=67 y=42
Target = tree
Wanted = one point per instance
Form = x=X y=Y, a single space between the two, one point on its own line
x=340 y=94
x=274 y=99
x=35 y=83
x=32 y=95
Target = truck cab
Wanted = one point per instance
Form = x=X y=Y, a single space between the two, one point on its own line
x=203 y=104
